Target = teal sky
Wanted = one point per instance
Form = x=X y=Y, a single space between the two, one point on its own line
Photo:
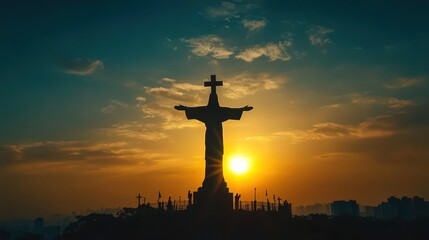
x=88 y=89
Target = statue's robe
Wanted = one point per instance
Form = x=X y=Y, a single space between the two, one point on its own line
x=212 y=116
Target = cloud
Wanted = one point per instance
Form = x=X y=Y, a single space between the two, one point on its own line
x=170 y=44
x=341 y=155
x=248 y=84
x=134 y=130
x=225 y=10
x=208 y=45
x=391 y=102
x=187 y=86
x=397 y=103
x=165 y=117
x=175 y=92
x=214 y=62
x=375 y=127
x=80 y=153
x=274 y=51
x=229 y=11
x=357 y=98
x=317 y=35
x=254 y=24
x=403 y=83
x=114 y=105
x=9 y=153
x=332 y=106
x=82 y=67
x=325 y=130
x=165 y=93
x=166 y=79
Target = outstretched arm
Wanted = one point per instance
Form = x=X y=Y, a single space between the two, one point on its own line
x=180 y=108
x=193 y=112
x=233 y=113
x=247 y=108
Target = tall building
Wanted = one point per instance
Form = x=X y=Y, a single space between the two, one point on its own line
x=345 y=208
x=421 y=207
x=38 y=226
x=393 y=209
x=405 y=208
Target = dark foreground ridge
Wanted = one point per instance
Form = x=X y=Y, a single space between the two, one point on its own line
x=149 y=223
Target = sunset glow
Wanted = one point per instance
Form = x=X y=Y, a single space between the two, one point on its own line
x=239 y=165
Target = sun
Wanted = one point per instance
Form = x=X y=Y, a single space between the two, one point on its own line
x=239 y=164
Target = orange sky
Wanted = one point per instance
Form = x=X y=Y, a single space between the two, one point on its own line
x=317 y=164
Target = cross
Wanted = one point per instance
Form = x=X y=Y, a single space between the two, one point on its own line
x=139 y=197
x=213 y=83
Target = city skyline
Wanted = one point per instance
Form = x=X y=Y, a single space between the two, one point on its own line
x=390 y=204
x=87 y=120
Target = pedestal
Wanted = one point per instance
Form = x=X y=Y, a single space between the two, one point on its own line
x=213 y=199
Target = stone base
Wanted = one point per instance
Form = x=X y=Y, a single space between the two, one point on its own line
x=215 y=200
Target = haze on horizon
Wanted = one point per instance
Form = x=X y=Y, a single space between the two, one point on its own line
x=340 y=97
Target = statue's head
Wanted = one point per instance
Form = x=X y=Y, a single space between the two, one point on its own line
x=213 y=101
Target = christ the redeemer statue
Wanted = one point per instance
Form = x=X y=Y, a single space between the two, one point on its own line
x=214 y=186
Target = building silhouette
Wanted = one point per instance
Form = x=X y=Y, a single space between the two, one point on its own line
x=345 y=208
x=400 y=209
x=317 y=208
x=38 y=226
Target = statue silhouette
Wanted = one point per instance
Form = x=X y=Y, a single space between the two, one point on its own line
x=169 y=205
x=189 y=198
x=212 y=116
x=237 y=201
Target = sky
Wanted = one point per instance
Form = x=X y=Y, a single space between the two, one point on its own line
x=339 y=90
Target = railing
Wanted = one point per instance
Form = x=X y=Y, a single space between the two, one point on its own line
x=242 y=205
